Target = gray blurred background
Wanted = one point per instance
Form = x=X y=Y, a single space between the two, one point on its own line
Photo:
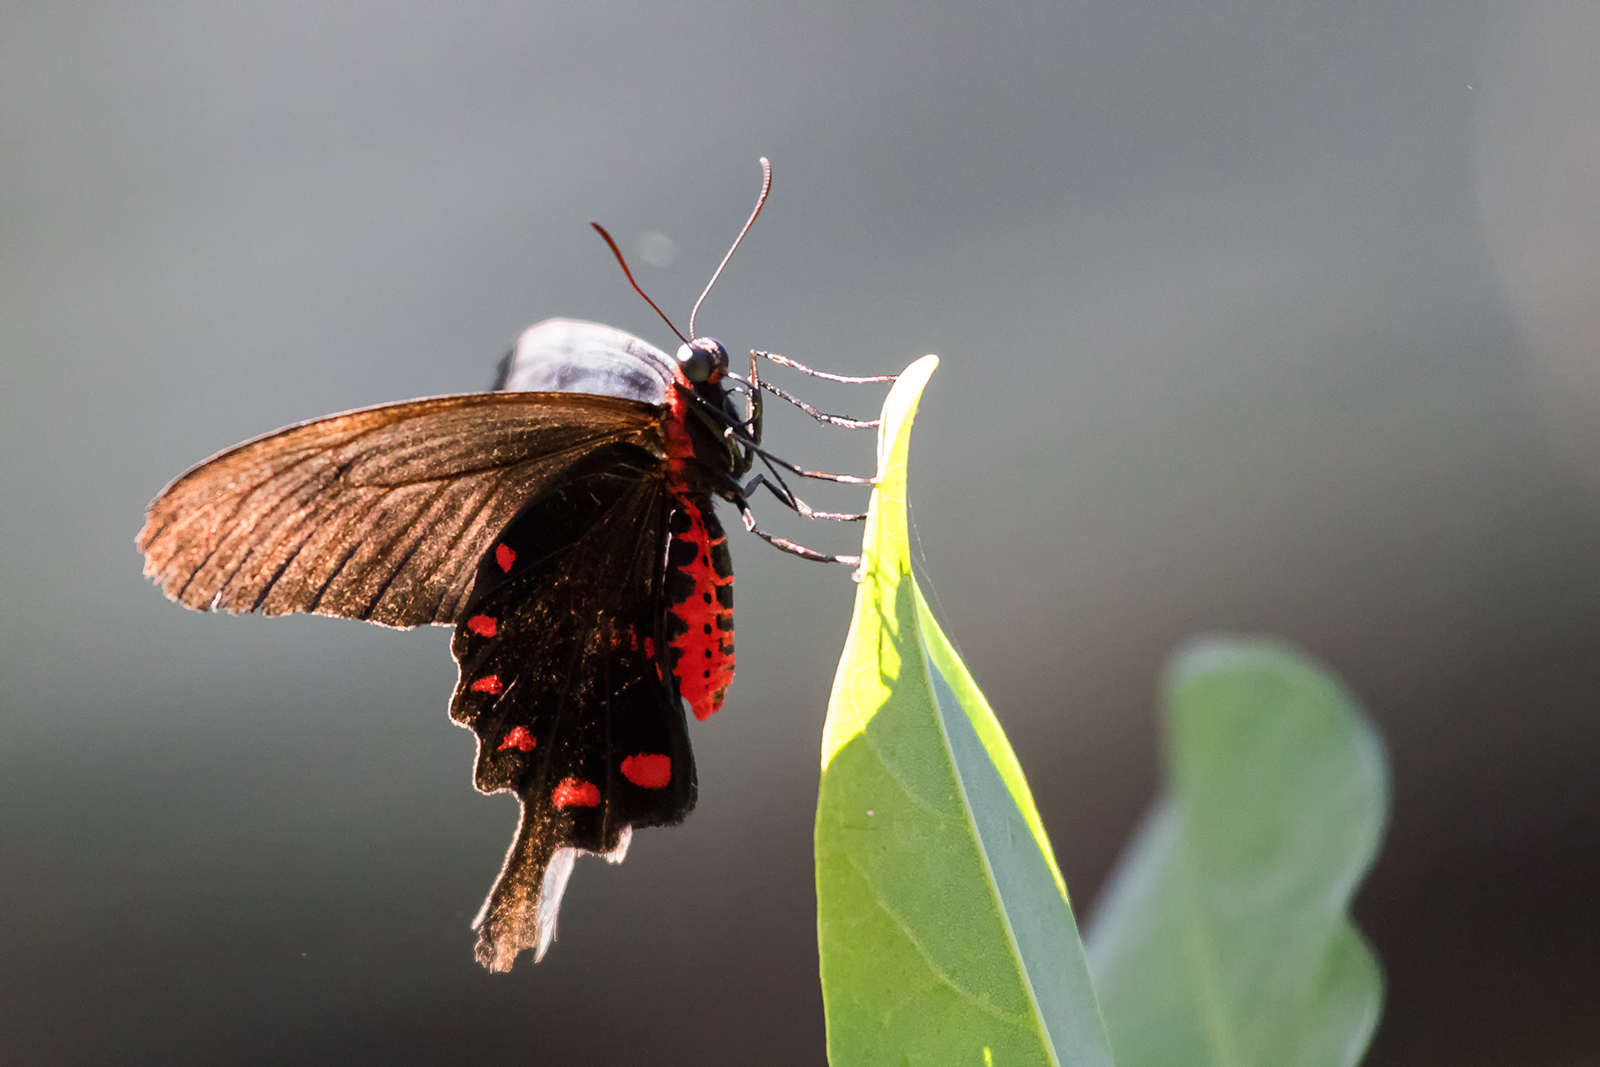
x=1256 y=315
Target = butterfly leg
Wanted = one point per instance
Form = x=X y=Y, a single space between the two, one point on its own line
x=782 y=491
x=756 y=385
x=786 y=545
x=847 y=379
x=747 y=436
x=752 y=402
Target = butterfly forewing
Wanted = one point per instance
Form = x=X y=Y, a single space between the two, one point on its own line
x=563 y=679
x=378 y=514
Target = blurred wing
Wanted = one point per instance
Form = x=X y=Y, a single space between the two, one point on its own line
x=564 y=680
x=572 y=356
x=380 y=513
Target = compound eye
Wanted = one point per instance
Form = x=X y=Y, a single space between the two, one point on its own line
x=703 y=360
x=695 y=363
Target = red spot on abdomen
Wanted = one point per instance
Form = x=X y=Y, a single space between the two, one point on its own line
x=704 y=650
x=504 y=556
x=647 y=770
x=575 y=793
x=489 y=683
x=483 y=625
x=519 y=737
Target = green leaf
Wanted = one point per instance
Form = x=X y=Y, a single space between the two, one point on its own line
x=942 y=920
x=1223 y=939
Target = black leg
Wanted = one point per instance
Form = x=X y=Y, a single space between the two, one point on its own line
x=783 y=493
x=786 y=545
x=803 y=369
x=728 y=426
x=752 y=402
x=820 y=416
x=821 y=476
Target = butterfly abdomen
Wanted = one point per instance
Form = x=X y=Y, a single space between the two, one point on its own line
x=699 y=597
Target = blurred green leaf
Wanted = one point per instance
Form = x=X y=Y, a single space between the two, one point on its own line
x=942 y=920
x=1223 y=939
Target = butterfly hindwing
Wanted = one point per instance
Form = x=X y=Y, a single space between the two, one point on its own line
x=566 y=681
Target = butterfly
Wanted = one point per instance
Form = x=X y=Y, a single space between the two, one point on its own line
x=564 y=524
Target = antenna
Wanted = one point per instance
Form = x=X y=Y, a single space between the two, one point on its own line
x=601 y=230
x=766 y=187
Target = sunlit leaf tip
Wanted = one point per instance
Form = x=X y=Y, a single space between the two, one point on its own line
x=943 y=925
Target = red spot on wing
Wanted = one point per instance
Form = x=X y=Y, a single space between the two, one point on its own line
x=647 y=770
x=649 y=648
x=489 y=683
x=519 y=737
x=575 y=793
x=505 y=556
x=483 y=625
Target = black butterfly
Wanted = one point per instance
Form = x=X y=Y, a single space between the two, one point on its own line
x=564 y=524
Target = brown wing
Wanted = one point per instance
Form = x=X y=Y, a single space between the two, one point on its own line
x=379 y=514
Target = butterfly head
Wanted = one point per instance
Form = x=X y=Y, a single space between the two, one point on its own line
x=703 y=361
